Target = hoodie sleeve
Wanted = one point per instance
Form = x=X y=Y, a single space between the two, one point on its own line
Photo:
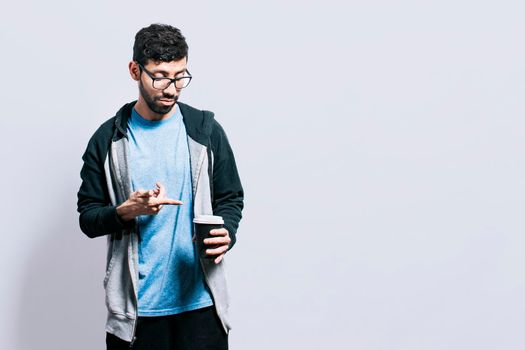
x=97 y=216
x=228 y=194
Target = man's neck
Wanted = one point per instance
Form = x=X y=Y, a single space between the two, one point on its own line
x=145 y=112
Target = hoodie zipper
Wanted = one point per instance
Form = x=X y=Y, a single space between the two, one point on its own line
x=133 y=336
x=209 y=154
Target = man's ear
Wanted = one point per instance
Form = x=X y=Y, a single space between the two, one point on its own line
x=134 y=70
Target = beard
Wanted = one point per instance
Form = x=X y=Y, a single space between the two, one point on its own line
x=153 y=102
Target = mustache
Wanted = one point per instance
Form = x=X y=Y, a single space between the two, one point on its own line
x=167 y=97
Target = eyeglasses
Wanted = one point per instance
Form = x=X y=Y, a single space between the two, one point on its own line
x=163 y=83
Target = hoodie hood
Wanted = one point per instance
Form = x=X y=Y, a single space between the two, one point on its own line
x=198 y=122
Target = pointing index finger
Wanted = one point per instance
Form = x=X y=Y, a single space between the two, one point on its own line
x=168 y=201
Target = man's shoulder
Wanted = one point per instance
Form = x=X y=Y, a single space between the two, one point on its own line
x=105 y=130
x=101 y=138
x=194 y=113
x=199 y=122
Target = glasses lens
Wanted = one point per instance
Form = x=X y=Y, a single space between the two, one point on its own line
x=161 y=84
x=164 y=83
x=182 y=82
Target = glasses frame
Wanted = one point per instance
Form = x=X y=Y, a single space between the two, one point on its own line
x=172 y=81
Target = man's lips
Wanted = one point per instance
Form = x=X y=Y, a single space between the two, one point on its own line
x=167 y=101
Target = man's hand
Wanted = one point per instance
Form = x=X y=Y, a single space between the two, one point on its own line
x=160 y=192
x=145 y=202
x=218 y=244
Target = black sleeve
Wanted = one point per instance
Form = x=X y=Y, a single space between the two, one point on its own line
x=97 y=216
x=228 y=194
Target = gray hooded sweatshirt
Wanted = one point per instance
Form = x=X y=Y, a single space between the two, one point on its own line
x=106 y=183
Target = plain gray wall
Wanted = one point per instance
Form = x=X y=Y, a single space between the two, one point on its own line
x=380 y=144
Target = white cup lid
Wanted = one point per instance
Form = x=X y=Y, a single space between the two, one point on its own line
x=208 y=219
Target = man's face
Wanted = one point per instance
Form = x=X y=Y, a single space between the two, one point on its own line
x=161 y=101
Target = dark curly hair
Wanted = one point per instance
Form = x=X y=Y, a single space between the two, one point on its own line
x=160 y=43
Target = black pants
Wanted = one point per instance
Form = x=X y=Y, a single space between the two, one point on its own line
x=198 y=329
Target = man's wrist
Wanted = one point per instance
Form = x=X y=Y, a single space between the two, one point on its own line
x=123 y=214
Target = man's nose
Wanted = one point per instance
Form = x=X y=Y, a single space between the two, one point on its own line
x=171 y=89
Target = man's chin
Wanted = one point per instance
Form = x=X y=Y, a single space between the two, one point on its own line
x=161 y=108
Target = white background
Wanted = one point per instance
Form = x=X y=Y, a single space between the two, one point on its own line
x=380 y=145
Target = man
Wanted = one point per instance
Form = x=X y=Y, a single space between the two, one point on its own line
x=148 y=171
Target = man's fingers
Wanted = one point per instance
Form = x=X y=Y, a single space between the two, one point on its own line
x=217 y=251
x=160 y=201
x=219 y=232
x=217 y=240
x=162 y=190
x=144 y=193
x=145 y=200
x=155 y=210
x=169 y=201
x=219 y=259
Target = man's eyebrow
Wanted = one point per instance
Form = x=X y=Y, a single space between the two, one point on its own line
x=166 y=73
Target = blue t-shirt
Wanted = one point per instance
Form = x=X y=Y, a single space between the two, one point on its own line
x=170 y=278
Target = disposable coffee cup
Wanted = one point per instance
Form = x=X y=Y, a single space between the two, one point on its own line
x=203 y=225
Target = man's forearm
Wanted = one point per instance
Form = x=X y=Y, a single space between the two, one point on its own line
x=100 y=221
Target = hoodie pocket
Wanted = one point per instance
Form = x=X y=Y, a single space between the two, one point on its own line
x=118 y=284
